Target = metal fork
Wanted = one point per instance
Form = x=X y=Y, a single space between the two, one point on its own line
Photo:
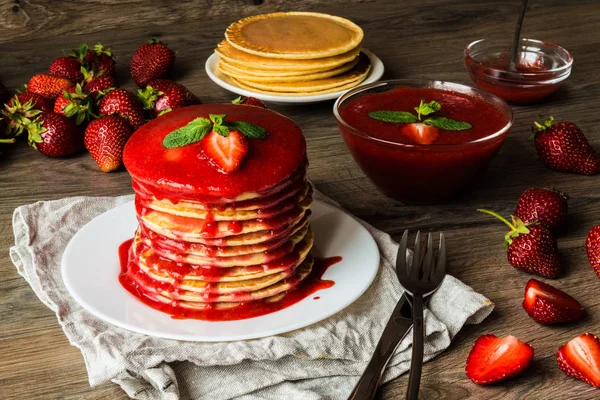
x=420 y=279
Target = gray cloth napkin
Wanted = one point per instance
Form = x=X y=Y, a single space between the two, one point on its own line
x=322 y=361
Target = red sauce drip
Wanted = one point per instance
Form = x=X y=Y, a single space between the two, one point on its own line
x=251 y=309
x=316 y=297
x=235 y=227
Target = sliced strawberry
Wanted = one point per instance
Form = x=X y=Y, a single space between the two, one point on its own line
x=225 y=151
x=421 y=133
x=580 y=358
x=548 y=305
x=493 y=359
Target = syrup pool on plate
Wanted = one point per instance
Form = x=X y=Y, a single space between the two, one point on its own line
x=407 y=169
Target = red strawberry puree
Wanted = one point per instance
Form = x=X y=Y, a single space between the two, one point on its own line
x=270 y=182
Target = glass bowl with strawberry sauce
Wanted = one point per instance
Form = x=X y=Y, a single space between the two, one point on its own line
x=540 y=69
x=422 y=141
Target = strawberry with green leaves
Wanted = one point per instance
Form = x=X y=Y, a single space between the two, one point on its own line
x=76 y=104
x=48 y=86
x=547 y=207
x=55 y=135
x=530 y=247
x=417 y=128
x=105 y=139
x=96 y=58
x=563 y=147
x=162 y=95
x=249 y=101
x=100 y=85
x=125 y=104
x=67 y=67
x=153 y=60
x=223 y=142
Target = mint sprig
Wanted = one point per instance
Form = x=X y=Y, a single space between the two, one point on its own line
x=424 y=109
x=193 y=132
x=198 y=128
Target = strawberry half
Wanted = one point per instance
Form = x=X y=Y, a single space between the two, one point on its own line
x=420 y=133
x=493 y=359
x=547 y=206
x=592 y=246
x=580 y=358
x=225 y=151
x=548 y=305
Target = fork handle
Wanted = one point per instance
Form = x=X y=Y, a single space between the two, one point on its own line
x=416 y=363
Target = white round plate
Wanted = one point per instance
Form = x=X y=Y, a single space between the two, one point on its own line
x=217 y=77
x=90 y=271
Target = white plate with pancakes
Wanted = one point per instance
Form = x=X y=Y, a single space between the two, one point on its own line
x=293 y=57
x=91 y=267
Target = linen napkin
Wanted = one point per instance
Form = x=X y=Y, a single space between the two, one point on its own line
x=322 y=361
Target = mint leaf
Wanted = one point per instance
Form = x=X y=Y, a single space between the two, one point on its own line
x=427 y=108
x=221 y=130
x=193 y=132
x=399 y=117
x=217 y=119
x=447 y=124
x=249 y=130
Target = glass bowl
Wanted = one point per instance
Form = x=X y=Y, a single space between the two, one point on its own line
x=418 y=173
x=540 y=69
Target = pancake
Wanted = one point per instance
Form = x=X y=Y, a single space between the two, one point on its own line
x=185 y=228
x=175 y=294
x=162 y=243
x=300 y=243
x=187 y=209
x=298 y=78
x=354 y=76
x=294 y=35
x=259 y=73
x=332 y=90
x=244 y=60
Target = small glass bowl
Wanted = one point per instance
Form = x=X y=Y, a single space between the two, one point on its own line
x=541 y=69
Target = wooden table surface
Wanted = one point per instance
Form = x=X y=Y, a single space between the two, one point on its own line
x=415 y=39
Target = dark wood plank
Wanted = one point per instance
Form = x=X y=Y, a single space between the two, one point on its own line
x=415 y=39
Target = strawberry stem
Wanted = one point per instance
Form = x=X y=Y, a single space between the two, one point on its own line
x=500 y=217
x=7 y=140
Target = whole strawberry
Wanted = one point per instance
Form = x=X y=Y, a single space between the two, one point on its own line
x=105 y=139
x=546 y=206
x=76 y=104
x=48 y=86
x=563 y=146
x=55 y=135
x=531 y=247
x=97 y=58
x=125 y=104
x=67 y=67
x=100 y=84
x=162 y=95
x=38 y=102
x=21 y=109
x=4 y=94
x=548 y=305
x=151 y=61
x=249 y=101
x=592 y=246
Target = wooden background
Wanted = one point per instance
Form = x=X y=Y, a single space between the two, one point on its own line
x=415 y=39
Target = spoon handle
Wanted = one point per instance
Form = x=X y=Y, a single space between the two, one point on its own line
x=517 y=37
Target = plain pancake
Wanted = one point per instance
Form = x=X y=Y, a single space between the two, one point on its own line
x=259 y=73
x=294 y=35
x=298 y=78
x=186 y=173
x=229 y=241
x=354 y=76
x=241 y=59
x=183 y=209
x=162 y=243
x=299 y=243
x=298 y=94
x=176 y=294
x=185 y=228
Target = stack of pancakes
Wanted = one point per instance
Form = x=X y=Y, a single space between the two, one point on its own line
x=293 y=54
x=213 y=247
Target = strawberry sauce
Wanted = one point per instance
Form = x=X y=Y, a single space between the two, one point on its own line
x=250 y=309
x=185 y=173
